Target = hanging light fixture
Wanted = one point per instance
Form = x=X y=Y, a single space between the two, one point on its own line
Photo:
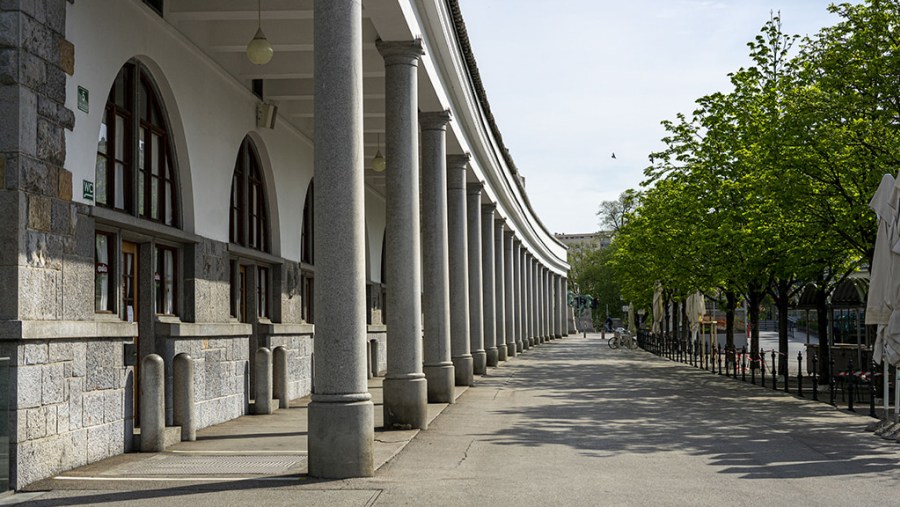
x=259 y=50
x=378 y=162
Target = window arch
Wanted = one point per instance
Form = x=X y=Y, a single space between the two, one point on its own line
x=135 y=169
x=307 y=255
x=248 y=226
x=307 y=240
x=249 y=217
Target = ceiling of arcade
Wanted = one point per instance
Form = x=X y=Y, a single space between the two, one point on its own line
x=223 y=29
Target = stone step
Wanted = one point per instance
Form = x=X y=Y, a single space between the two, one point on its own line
x=172 y=436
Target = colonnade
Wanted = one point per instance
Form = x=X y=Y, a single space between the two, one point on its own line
x=466 y=285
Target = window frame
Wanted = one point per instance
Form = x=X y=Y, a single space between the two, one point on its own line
x=135 y=98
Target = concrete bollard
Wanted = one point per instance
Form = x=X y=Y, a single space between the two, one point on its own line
x=263 y=363
x=183 y=411
x=153 y=404
x=376 y=351
x=280 y=376
x=369 y=369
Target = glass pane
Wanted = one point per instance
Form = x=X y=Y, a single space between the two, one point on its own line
x=261 y=277
x=141 y=194
x=101 y=273
x=120 y=186
x=101 y=142
x=140 y=179
x=169 y=281
x=120 y=138
x=100 y=179
x=154 y=154
x=142 y=105
x=154 y=198
x=169 y=217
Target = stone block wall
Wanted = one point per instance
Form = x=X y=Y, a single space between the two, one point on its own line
x=300 y=349
x=72 y=405
x=220 y=376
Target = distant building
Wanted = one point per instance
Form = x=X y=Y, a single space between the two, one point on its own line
x=601 y=239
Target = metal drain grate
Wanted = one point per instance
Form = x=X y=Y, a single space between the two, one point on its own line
x=212 y=465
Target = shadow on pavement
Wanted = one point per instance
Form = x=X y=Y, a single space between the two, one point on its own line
x=607 y=402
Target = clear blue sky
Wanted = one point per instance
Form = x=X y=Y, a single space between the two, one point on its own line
x=572 y=81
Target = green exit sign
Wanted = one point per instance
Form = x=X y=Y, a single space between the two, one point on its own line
x=83 y=99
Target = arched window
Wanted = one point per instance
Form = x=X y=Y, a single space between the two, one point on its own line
x=249 y=222
x=307 y=258
x=306 y=233
x=135 y=171
x=249 y=227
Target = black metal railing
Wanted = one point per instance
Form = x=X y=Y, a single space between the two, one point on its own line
x=856 y=385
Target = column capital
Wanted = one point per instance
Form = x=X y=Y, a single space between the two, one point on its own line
x=488 y=208
x=458 y=161
x=405 y=52
x=474 y=188
x=434 y=120
x=500 y=221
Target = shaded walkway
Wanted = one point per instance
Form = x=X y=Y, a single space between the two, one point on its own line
x=572 y=422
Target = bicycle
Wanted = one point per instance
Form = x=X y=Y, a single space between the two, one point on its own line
x=621 y=338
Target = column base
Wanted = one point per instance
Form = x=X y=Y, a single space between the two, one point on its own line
x=501 y=352
x=511 y=349
x=439 y=378
x=479 y=362
x=341 y=439
x=520 y=346
x=463 y=366
x=405 y=403
x=492 y=357
x=525 y=345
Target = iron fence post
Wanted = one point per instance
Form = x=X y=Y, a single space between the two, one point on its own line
x=744 y=363
x=800 y=374
x=850 y=384
x=815 y=378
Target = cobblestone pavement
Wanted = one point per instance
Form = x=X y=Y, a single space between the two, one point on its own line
x=573 y=422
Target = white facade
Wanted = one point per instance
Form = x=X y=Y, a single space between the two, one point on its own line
x=227 y=297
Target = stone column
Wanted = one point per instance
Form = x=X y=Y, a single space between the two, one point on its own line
x=519 y=298
x=527 y=300
x=545 y=306
x=459 y=269
x=538 y=304
x=341 y=419
x=538 y=301
x=554 y=306
x=439 y=369
x=510 y=307
x=476 y=295
x=535 y=307
x=501 y=293
x=405 y=388
x=560 y=308
x=488 y=281
x=569 y=312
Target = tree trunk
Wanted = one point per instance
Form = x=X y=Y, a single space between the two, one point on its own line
x=730 y=305
x=781 y=302
x=676 y=314
x=824 y=342
x=754 y=299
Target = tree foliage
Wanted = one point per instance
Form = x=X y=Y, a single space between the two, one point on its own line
x=765 y=188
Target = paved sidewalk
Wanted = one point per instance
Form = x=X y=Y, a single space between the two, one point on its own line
x=573 y=422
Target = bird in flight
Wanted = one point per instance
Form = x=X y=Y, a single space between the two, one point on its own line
x=614 y=155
